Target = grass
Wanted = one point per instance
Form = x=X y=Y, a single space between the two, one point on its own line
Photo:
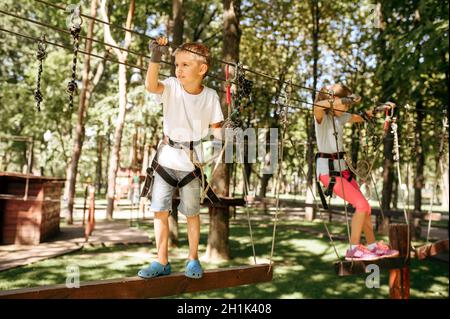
x=303 y=265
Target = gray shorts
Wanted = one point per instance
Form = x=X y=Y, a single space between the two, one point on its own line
x=162 y=194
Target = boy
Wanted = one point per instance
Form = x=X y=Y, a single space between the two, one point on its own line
x=189 y=108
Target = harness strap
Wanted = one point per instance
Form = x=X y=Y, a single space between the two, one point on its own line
x=332 y=173
x=163 y=173
x=196 y=173
x=189 y=145
x=190 y=177
x=147 y=182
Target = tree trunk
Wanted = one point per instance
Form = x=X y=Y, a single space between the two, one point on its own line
x=108 y=154
x=114 y=161
x=445 y=184
x=264 y=183
x=177 y=27
x=218 y=248
x=419 y=177
x=72 y=169
x=99 y=162
x=122 y=57
x=177 y=31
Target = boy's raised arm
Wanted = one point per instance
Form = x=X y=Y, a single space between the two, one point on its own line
x=151 y=81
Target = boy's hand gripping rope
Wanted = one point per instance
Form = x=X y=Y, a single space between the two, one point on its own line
x=41 y=54
x=75 y=29
x=157 y=51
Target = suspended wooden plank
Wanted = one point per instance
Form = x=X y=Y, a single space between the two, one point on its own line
x=432 y=249
x=138 y=288
x=348 y=268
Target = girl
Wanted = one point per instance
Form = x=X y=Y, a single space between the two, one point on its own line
x=330 y=166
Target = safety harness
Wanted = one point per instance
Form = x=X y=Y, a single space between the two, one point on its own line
x=332 y=172
x=196 y=173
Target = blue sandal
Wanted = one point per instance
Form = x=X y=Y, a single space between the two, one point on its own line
x=155 y=269
x=193 y=269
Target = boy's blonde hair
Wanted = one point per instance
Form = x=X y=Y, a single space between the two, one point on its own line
x=198 y=50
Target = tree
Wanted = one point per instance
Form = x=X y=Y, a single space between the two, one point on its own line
x=177 y=24
x=122 y=57
x=217 y=247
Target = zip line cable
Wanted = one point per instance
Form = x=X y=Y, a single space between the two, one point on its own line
x=97 y=41
x=125 y=29
x=173 y=46
x=165 y=62
x=168 y=63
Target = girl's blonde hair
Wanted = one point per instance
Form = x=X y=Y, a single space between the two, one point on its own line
x=339 y=90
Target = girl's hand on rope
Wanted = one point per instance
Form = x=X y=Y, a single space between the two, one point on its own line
x=356 y=98
x=385 y=106
x=390 y=105
x=158 y=47
x=351 y=99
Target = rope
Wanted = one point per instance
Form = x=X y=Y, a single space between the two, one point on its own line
x=247 y=211
x=288 y=91
x=331 y=101
x=41 y=54
x=315 y=200
x=397 y=160
x=75 y=30
x=378 y=197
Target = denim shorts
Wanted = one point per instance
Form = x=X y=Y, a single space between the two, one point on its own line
x=162 y=194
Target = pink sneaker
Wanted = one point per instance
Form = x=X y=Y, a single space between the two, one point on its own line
x=383 y=251
x=360 y=252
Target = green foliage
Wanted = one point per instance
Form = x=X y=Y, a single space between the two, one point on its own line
x=405 y=60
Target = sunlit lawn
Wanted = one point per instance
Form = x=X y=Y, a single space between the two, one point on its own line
x=303 y=265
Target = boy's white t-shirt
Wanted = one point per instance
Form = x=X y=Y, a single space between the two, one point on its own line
x=186 y=117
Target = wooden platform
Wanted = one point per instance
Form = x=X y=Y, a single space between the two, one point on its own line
x=432 y=249
x=348 y=268
x=71 y=238
x=137 y=288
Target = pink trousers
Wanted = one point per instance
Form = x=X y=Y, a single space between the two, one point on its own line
x=352 y=192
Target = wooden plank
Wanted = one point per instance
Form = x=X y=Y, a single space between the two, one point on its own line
x=431 y=249
x=135 y=287
x=349 y=268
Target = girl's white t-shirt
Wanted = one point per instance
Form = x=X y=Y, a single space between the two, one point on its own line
x=326 y=142
x=186 y=117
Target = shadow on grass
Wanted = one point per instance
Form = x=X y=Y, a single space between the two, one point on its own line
x=303 y=265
